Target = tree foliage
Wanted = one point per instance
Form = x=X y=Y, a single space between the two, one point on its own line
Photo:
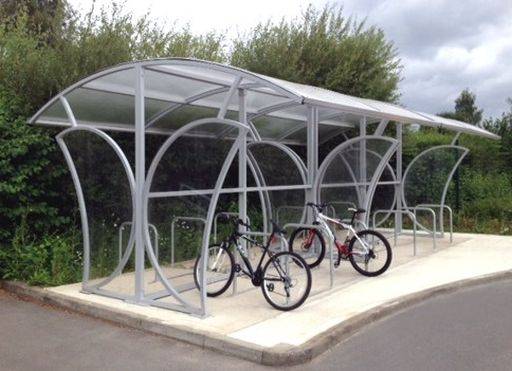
x=324 y=49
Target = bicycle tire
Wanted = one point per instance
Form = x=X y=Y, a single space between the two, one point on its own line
x=318 y=235
x=387 y=250
x=230 y=276
x=299 y=261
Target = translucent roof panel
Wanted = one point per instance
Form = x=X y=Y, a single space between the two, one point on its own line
x=184 y=81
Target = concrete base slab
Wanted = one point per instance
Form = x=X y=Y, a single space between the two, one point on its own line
x=244 y=325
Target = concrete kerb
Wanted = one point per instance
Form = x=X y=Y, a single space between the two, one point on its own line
x=280 y=355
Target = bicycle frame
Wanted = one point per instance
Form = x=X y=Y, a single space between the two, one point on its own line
x=254 y=274
x=323 y=220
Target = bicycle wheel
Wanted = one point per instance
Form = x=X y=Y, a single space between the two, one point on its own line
x=374 y=257
x=220 y=270
x=309 y=244
x=286 y=281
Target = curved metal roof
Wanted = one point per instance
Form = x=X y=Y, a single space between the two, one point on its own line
x=178 y=90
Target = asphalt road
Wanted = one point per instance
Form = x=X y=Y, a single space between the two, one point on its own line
x=467 y=330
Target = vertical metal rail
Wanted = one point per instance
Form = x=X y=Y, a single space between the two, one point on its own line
x=140 y=174
x=363 y=189
x=312 y=153
x=242 y=176
x=399 y=186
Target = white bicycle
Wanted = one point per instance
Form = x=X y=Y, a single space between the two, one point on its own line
x=368 y=251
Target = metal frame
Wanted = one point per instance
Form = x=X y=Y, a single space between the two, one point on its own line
x=369 y=188
x=244 y=135
x=86 y=287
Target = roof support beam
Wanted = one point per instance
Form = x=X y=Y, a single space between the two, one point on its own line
x=456 y=138
x=224 y=108
x=69 y=111
x=381 y=127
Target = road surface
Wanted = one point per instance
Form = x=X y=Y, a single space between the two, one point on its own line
x=470 y=329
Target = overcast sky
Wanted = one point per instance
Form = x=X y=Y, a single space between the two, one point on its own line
x=445 y=45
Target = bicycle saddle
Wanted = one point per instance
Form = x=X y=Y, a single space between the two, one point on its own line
x=356 y=211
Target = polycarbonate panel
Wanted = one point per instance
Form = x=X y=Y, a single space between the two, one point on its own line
x=191 y=163
x=199 y=72
x=428 y=175
x=56 y=113
x=108 y=203
x=100 y=107
x=357 y=162
x=174 y=87
x=181 y=115
x=276 y=166
x=271 y=127
x=384 y=197
x=287 y=206
x=340 y=199
x=350 y=173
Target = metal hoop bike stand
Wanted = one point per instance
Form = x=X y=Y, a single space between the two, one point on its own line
x=434 y=222
x=409 y=213
x=441 y=226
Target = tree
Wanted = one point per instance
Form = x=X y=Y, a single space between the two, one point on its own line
x=324 y=49
x=44 y=51
x=466 y=109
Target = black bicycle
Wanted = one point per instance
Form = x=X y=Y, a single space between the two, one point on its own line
x=285 y=279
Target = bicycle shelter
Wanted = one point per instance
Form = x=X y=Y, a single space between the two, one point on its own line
x=152 y=143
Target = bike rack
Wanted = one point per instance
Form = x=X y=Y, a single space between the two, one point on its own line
x=409 y=213
x=173 y=223
x=434 y=222
x=155 y=242
x=441 y=226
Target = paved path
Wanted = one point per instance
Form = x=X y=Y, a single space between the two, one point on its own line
x=467 y=330
x=247 y=317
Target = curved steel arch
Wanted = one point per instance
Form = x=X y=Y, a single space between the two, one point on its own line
x=464 y=150
x=393 y=176
x=378 y=171
x=211 y=209
x=83 y=207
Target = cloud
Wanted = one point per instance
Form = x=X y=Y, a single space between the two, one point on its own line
x=447 y=46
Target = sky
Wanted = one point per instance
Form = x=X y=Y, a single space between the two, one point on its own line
x=445 y=45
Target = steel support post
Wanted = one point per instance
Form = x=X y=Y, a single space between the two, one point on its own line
x=312 y=153
x=399 y=186
x=242 y=175
x=362 y=162
x=139 y=182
